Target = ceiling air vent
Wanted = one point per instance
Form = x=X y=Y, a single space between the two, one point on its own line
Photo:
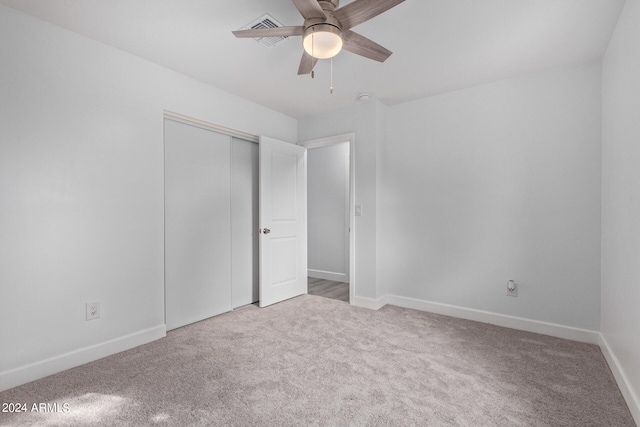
x=267 y=21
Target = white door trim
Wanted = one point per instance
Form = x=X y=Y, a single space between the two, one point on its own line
x=333 y=140
x=211 y=126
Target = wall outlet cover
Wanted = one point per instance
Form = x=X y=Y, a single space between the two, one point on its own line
x=512 y=288
x=93 y=310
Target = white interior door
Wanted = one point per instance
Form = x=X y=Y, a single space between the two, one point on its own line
x=283 y=221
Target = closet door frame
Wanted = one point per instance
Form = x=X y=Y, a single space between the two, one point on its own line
x=232 y=135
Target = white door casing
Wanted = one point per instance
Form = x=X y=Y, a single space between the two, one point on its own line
x=332 y=140
x=283 y=221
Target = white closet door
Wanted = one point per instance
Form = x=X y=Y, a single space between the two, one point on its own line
x=197 y=223
x=244 y=222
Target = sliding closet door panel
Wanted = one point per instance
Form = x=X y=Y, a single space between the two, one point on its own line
x=197 y=218
x=244 y=222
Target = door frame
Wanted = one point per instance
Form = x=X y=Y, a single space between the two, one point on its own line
x=203 y=124
x=333 y=140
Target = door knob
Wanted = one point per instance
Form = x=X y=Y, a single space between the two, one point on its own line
x=266 y=231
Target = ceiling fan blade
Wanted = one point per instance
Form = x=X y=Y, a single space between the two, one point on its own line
x=362 y=10
x=306 y=63
x=360 y=45
x=309 y=9
x=270 y=32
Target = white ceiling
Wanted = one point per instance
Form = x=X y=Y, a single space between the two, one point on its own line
x=438 y=45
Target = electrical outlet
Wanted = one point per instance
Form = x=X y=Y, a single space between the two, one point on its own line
x=93 y=310
x=512 y=288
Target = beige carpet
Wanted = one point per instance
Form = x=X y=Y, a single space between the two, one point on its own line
x=320 y=362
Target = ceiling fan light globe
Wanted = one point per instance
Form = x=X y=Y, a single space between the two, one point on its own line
x=322 y=43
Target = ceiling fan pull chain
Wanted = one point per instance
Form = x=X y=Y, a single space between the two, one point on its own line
x=331 y=87
x=313 y=74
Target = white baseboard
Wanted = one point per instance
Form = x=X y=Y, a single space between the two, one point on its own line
x=53 y=365
x=328 y=275
x=529 y=325
x=372 y=304
x=629 y=394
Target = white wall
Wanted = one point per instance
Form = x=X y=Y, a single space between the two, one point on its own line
x=621 y=202
x=492 y=183
x=328 y=211
x=365 y=120
x=81 y=191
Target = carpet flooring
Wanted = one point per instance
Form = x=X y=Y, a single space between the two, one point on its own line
x=313 y=361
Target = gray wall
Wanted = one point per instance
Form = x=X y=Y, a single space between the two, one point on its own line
x=497 y=182
x=621 y=199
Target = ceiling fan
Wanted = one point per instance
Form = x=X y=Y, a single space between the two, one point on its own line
x=327 y=30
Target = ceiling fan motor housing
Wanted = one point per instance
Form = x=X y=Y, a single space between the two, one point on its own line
x=329 y=4
x=328 y=7
x=322 y=23
x=323 y=34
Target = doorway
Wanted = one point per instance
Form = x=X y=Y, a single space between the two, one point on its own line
x=331 y=228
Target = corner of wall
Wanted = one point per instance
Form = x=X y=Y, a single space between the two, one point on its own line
x=623 y=381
